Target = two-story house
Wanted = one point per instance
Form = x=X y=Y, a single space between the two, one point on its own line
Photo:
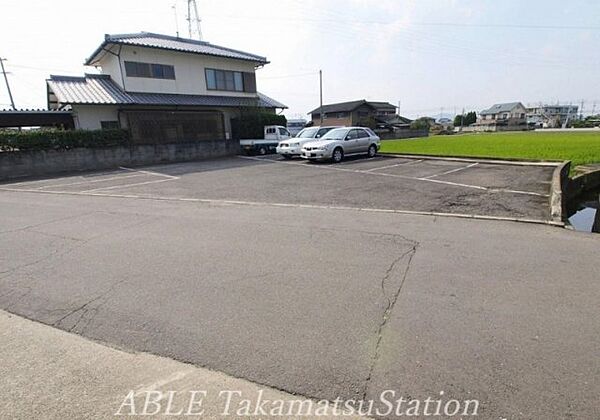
x=503 y=117
x=552 y=116
x=353 y=113
x=162 y=88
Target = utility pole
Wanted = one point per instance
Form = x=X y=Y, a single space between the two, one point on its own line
x=399 y=106
x=462 y=119
x=12 y=102
x=321 y=95
x=581 y=110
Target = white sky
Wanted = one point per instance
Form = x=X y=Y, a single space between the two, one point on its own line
x=429 y=54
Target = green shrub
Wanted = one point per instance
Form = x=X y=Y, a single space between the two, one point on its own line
x=61 y=139
x=251 y=125
x=421 y=124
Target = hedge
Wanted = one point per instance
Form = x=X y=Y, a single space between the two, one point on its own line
x=251 y=126
x=61 y=139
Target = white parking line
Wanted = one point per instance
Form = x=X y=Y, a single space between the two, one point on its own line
x=435 y=181
x=149 y=172
x=393 y=166
x=114 y=187
x=451 y=171
x=88 y=182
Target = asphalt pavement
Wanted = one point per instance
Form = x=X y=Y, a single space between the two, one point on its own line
x=315 y=300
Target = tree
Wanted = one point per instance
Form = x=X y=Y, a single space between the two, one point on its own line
x=422 y=123
x=465 y=119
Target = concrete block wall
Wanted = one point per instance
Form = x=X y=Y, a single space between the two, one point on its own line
x=14 y=165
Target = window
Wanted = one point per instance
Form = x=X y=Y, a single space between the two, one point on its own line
x=110 y=125
x=322 y=132
x=239 y=81
x=362 y=134
x=151 y=71
x=211 y=80
x=342 y=115
x=232 y=81
x=352 y=135
x=161 y=71
x=283 y=132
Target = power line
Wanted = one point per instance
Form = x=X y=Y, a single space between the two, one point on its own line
x=448 y=24
x=289 y=76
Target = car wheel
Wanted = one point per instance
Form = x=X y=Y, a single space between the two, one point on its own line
x=338 y=155
x=372 y=151
x=262 y=150
x=287 y=157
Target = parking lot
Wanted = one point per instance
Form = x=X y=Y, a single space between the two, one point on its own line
x=458 y=187
x=318 y=279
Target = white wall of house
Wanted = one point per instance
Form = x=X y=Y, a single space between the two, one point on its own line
x=89 y=117
x=189 y=70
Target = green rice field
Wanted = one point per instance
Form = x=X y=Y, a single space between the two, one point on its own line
x=579 y=147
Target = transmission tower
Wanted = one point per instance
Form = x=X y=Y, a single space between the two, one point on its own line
x=193 y=19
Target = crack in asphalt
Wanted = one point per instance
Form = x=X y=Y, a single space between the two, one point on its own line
x=390 y=306
x=61 y=251
x=85 y=309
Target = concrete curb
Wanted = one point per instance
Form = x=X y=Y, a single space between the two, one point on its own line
x=560 y=185
x=515 y=162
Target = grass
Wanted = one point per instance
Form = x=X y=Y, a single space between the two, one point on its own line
x=580 y=148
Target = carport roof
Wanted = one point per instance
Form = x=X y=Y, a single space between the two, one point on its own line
x=99 y=89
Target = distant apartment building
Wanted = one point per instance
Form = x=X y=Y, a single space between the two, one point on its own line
x=510 y=116
x=551 y=116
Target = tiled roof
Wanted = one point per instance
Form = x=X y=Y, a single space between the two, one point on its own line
x=351 y=106
x=166 y=42
x=341 y=107
x=498 y=108
x=382 y=105
x=102 y=90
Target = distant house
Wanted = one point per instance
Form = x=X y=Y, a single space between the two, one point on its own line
x=503 y=117
x=353 y=113
x=552 y=116
x=162 y=88
x=294 y=126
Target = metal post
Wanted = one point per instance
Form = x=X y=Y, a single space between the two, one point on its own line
x=12 y=102
x=174 y=7
x=321 y=94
